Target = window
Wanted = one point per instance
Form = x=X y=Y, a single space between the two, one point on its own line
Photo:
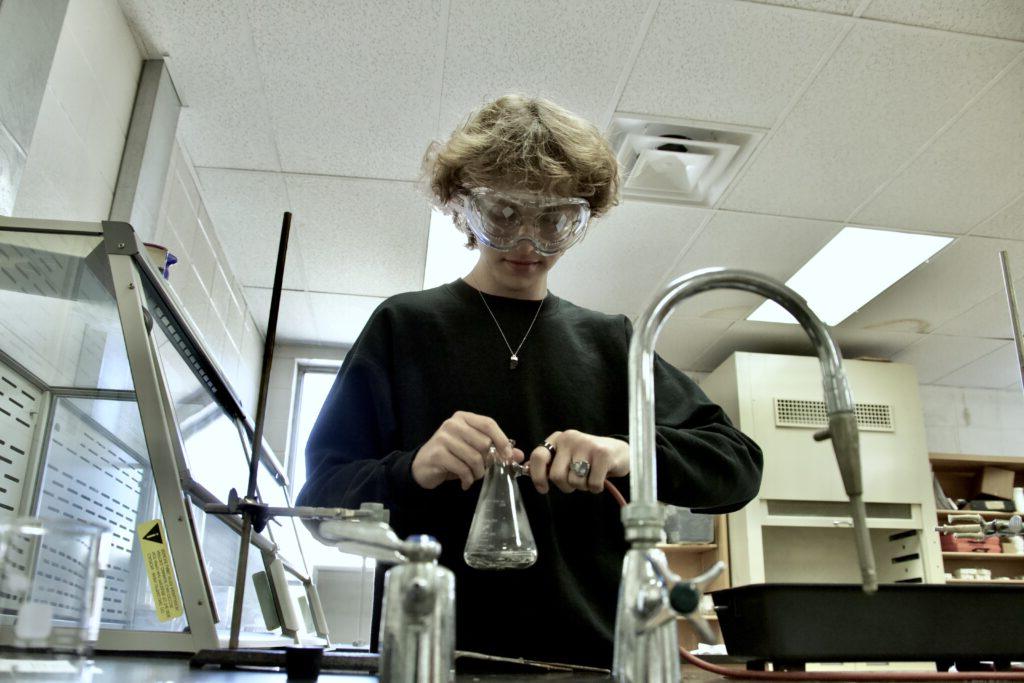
x=314 y=384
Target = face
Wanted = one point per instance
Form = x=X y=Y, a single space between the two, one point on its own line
x=521 y=269
x=512 y=228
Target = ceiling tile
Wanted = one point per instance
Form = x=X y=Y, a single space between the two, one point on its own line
x=936 y=356
x=682 y=341
x=872 y=343
x=1008 y=223
x=832 y=6
x=991 y=371
x=998 y=18
x=776 y=247
x=296 y=323
x=352 y=86
x=246 y=208
x=990 y=318
x=571 y=52
x=882 y=95
x=953 y=281
x=210 y=56
x=756 y=337
x=364 y=237
x=625 y=255
x=340 y=318
x=761 y=337
x=970 y=171
x=728 y=62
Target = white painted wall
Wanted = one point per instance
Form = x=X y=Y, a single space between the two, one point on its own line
x=973 y=421
x=73 y=161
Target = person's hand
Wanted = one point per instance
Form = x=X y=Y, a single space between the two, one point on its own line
x=458 y=450
x=606 y=457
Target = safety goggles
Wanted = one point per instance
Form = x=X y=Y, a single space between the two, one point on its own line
x=501 y=220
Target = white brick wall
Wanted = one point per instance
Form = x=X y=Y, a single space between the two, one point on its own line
x=205 y=283
x=79 y=136
x=71 y=173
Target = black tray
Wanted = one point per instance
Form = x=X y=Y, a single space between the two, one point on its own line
x=839 y=622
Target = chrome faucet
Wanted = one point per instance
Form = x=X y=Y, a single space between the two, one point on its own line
x=650 y=596
x=417 y=631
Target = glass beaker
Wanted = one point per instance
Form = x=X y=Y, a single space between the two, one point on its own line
x=499 y=535
x=51 y=585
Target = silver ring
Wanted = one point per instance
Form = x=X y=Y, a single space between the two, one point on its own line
x=580 y=468
x=551 y=447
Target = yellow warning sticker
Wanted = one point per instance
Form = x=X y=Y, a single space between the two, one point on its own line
x=159 y=570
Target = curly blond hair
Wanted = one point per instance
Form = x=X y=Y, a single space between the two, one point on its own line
x=526 y=143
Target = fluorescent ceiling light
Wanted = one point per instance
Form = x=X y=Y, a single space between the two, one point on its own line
x=447 y=256
x=851 y=270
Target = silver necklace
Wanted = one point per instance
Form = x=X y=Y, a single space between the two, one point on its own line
x=513 y=360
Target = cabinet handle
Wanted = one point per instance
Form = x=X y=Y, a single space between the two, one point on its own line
x=842 y=522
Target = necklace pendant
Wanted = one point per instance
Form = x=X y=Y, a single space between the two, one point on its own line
x=513 y=362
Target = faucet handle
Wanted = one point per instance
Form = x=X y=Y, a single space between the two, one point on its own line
x=703 y=628
x=684 y=595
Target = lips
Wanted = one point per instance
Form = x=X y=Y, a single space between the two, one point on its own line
x=522 y=263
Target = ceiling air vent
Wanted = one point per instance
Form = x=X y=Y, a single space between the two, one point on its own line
x=678 y=162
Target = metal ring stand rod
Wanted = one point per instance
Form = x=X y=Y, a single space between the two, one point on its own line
x=257 y=438
x=1011 y=300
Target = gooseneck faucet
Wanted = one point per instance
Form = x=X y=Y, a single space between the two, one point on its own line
x=646 y=645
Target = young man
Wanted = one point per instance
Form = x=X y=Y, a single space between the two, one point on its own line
x=440 y=377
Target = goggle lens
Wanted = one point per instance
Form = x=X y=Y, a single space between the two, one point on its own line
x=501 y=220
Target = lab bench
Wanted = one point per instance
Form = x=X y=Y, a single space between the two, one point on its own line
x=111 y=669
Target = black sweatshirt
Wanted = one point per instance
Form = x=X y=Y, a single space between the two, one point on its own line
x=425 y=355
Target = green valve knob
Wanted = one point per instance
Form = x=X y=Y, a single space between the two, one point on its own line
x=684 y=598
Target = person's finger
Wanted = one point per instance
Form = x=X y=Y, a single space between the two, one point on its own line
x=599 y=467
x=457 y=467
x=491 y=429
x=518 y=455
x=459 y=427
x=466 y=453
x=558 y=473
x=540 y=458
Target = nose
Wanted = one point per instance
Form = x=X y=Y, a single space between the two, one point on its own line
x=525 y=247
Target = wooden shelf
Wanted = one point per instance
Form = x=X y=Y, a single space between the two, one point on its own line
x=987 y=514
x=687 y=547
x=982 y=556
x=1011 y=582
x=709 y=617
x=960 y=461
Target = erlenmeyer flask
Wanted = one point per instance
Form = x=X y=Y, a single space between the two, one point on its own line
x=500 y=535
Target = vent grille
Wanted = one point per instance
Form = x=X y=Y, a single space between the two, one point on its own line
x=871 y=417
x=19 y=405
x=676 y=162
x=93 y=478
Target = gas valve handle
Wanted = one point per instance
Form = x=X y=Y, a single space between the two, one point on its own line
x=684 y=596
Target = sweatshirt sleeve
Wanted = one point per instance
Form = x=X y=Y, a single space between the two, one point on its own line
x=704 y=462
x=351 y=456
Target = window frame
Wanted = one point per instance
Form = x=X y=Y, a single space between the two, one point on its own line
x=303 y=368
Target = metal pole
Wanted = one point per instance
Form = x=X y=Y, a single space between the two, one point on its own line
x=1011 y=300
x=257 y=439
